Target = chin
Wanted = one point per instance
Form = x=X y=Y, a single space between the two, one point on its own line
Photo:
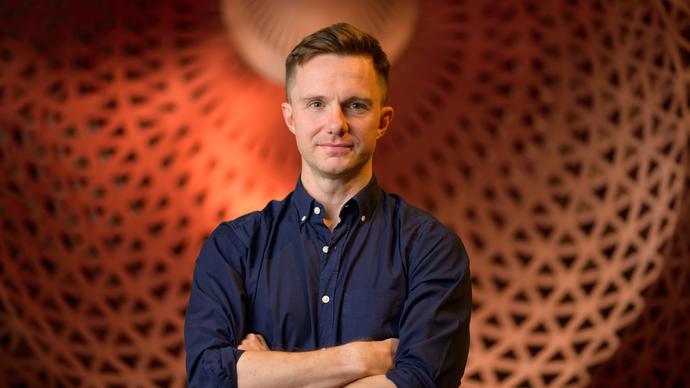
x=335 y=171
x=339 y=169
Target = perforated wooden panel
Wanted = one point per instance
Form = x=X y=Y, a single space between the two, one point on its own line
x=552 y=136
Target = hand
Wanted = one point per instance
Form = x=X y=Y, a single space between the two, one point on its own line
x=375 y=357
x=253 y=342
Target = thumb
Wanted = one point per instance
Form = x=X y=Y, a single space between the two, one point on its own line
x=394 y=345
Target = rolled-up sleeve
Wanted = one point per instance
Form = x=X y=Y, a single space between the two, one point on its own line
x=215 y=316
x=434 y=323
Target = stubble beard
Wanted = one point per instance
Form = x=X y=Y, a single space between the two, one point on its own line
x=342 y=170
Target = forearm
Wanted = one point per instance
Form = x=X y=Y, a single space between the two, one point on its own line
x=378 y=381
x=333 y=367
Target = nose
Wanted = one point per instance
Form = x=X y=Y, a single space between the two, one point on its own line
x=337 y=123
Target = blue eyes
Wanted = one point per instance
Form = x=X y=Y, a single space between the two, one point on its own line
x=353 y=106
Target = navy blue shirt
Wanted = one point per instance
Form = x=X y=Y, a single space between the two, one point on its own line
x=387 y=270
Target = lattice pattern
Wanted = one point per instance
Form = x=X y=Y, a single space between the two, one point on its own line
x=655 y=351
x=116 y=132
x=567 y=138
x=551 y=135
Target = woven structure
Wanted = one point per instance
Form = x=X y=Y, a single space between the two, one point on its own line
x=552 y=136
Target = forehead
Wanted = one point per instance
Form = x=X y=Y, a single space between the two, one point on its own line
x=332 y=71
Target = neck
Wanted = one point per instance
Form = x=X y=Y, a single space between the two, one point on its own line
x=333 y=192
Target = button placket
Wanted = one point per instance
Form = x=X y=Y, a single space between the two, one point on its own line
x=327 y=278
x=330 y=263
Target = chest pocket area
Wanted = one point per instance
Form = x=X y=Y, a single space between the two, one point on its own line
x=371 y=314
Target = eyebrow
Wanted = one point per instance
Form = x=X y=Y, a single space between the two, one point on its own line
x=312 y=97
x=365 y=100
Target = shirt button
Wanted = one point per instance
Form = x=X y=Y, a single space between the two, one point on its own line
x=304 y=218
x=325 y=249
x=317 y=210
x=364 y=218
x=325 y=299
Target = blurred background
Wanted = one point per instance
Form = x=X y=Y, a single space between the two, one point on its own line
x=553 y=137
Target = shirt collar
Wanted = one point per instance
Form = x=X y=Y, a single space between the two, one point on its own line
x=367 y=198
x=303 y=202
x=365 y=201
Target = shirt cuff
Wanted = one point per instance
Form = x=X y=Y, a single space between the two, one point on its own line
x=223 y=364
x=403 y=378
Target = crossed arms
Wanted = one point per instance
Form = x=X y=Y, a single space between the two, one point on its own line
x=431 y=350
x=358 y=363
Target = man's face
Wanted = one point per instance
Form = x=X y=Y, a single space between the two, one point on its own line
x=336 y=114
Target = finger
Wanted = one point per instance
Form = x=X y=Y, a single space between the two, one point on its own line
x=250 y=339
x=254 y=342
x=262 y=340
x=248 y=347
x=394 y=345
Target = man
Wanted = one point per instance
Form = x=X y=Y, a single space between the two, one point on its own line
x=339 y=284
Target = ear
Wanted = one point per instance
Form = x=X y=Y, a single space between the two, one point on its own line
x=287 y=115
x=384 y=121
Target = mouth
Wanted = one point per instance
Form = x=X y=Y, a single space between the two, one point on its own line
x=335 y=146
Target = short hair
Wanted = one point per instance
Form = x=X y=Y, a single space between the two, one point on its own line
x=341 y=39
